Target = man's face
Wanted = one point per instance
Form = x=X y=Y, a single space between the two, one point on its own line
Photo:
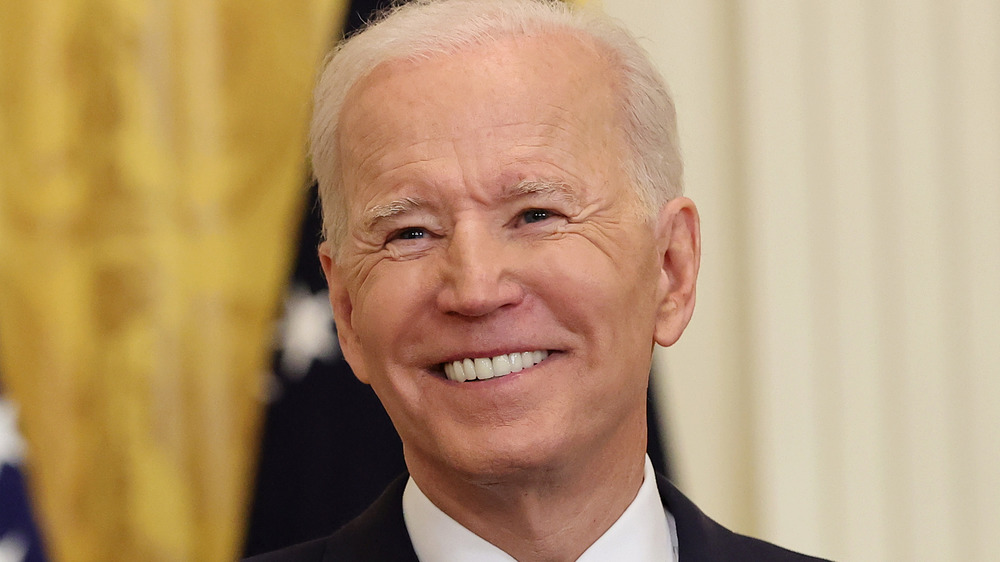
x=487 y=216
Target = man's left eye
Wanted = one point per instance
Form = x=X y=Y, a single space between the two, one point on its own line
x=536 y=215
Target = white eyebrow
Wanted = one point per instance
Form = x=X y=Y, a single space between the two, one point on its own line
x=557 y=189
x=378 y=213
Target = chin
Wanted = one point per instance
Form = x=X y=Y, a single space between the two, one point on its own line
x=503 y=460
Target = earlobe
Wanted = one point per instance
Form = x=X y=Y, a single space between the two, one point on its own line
x=678 y=238
x=340 y=301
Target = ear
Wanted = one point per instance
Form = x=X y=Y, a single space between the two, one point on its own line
x=678 y=235
x=340 y=301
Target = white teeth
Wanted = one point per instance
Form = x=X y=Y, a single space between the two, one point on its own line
x=527 y=359
x=515 y=363
x=501 y=365
x=455 y=371
x=483 y=368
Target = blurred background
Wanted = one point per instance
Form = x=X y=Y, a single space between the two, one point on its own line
x=168 y=362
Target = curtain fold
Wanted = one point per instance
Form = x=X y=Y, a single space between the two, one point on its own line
x=151 y=166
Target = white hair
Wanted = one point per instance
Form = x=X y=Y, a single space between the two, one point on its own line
x=423 y=28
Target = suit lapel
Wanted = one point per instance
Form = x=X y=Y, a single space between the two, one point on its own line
x=700 y=539
x=377 y=534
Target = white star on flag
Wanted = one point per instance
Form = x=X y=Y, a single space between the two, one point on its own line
x=11 y=444
x=307 y=332
x=13 y=547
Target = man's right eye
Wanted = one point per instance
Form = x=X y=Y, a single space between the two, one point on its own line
x=410 y=233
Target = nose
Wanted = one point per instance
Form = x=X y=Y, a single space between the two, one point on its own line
x=480 y=275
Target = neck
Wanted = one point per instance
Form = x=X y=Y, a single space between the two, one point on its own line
x=549 y=514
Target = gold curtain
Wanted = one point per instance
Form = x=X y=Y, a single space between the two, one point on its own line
x=151 y=164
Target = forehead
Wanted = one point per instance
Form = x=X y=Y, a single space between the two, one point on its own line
x=510 y=100
x=565 y=63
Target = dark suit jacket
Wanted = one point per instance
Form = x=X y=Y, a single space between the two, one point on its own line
x=379 y=534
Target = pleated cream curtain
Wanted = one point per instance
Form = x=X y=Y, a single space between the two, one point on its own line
x=151 y=160
x=838 y=390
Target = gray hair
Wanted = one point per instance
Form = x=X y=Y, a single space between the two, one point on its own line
x=423 y=28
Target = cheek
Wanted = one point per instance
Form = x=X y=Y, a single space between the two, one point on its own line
x=589 y=280
x=386 y=305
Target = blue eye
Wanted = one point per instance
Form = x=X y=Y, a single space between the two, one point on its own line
x=536 y=215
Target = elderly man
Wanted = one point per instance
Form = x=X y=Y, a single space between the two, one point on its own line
x=505 y=243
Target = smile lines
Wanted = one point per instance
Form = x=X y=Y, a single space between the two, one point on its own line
x=488 y=368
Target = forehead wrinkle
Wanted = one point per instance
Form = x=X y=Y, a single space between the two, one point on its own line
x=384 y=158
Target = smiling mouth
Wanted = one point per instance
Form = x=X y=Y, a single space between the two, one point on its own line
x=482 y=368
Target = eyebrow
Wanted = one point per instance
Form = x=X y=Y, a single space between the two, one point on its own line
x=557 y=189
x=379 y=213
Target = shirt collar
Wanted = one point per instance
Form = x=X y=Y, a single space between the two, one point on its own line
x=644 y=532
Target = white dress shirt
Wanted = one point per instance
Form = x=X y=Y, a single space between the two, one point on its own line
x=645 y=531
